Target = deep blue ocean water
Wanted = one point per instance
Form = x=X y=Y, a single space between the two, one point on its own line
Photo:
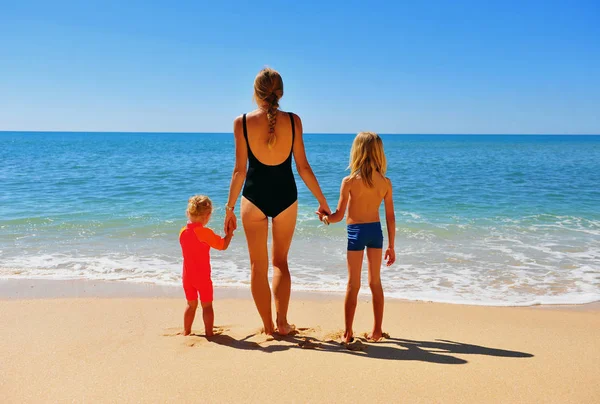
x=502 y=220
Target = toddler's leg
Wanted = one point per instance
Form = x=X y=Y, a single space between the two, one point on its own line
x=188 y=316
x=208 y=315
x=355 y=259
x=374 y=256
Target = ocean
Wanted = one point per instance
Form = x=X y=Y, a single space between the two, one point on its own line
x=487 y=220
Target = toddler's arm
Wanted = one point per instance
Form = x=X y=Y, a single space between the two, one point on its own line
x=338 y=215
x=214 y=240
x=228 y=238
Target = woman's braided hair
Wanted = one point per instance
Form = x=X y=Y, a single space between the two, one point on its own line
x=268 y=88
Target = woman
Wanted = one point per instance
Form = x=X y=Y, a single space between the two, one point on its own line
x=265 y=140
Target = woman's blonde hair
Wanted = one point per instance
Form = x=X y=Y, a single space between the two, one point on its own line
x=367 y=157
x=198 y=205
x=268 y=88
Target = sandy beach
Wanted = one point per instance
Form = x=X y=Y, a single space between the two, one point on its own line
x=127 y=349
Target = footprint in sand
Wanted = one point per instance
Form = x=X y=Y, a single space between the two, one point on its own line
x=308 y=344
x=173 y=332
x=217 y=330
x=196 y=339
x=334 y=336
x=306 y=330
x=355 y=345
x=259 y=337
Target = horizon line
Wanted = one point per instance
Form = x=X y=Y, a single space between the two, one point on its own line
x=305 y=133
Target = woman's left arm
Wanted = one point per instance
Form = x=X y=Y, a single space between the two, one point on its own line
x=305 y=171
x=239 y=172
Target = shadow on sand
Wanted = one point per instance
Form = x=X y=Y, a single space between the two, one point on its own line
x=438 y=351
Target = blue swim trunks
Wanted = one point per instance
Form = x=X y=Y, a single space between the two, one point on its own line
x=364 y=235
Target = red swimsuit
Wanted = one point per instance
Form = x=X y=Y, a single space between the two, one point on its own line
x=196 y=241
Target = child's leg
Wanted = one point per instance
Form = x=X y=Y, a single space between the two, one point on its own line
x=208 y=315
x=188 y=316
x=374 y=257
x=355 y=259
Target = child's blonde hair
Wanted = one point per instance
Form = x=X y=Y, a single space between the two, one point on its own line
x=199 y=205
x=367 y=157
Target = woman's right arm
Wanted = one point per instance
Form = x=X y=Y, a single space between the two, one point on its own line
x=239 y=170
x=304 y=169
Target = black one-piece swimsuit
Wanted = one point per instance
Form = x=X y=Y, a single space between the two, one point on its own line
x=272 y=189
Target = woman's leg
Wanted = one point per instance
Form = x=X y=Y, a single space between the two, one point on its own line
x=283 y=231
x=374 y=258
x=355 y=260
x=256 y=227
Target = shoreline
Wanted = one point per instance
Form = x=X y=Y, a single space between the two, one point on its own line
x=37 y=288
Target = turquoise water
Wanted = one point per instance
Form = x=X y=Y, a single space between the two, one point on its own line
x=498 y=220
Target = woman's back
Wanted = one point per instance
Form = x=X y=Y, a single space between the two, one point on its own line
x=270 y=183
x=365 y=201
x=257 y=126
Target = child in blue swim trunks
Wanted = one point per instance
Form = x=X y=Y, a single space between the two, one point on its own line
x=362 y=193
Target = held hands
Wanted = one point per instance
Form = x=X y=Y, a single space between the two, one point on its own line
x=323 y=211
x=230 y=222
x=323 y=217
x=390 y=256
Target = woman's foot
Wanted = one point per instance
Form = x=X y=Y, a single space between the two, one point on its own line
x=348 y=337
x=269 y=330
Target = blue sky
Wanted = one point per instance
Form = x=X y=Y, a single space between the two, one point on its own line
x=390 y=67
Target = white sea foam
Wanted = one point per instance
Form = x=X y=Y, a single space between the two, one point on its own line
x=506 y=278
x=498 y=261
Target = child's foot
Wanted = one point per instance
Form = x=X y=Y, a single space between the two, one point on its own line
x=376 y=336
x=348 y=337
x=286 y=329
x=187 y=332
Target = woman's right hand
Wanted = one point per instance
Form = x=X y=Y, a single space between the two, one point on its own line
x=230 y=222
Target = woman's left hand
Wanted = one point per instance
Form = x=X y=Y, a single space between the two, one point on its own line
x=323 y=210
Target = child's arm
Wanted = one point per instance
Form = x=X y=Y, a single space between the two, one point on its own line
x=227 y=238
x=214 y=240
x=338 y=215
x=390 y=220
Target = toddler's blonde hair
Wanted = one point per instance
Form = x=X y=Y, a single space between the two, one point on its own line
x=367 y=157
x=199 y=205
